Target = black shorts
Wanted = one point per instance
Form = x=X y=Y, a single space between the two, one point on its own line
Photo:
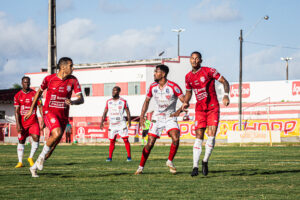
x=145 y=133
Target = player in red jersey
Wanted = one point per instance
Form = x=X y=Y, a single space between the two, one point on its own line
x=115 y=108
x=56 y=109
x=22 y=103
x=165 y=93
x=202 y=81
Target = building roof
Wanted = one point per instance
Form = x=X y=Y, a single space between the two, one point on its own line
x=7 y=96
x=119 y=63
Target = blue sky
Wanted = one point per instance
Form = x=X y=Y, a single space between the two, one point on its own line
x=114 y=30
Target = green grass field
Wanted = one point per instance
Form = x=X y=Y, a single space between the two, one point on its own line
x=80 y=172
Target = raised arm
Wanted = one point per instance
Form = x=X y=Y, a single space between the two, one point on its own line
x=40 y=106
x=225 y=83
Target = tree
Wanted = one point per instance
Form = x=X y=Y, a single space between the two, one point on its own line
x=16 y=86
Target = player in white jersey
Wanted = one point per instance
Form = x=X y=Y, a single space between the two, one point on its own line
x=165 y=94
x=115 y=108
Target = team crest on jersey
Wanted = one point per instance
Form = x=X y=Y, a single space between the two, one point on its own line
x=155 y=91
x=167 y=91
x=120 y=102
x=110 y=103
x=202 y=79
x=177 y=89
x=69 y=88
x=52 y=120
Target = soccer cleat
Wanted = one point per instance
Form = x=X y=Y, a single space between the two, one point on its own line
x=30 y=160
x=40 y=163
x=195 y=171
x=128 y=159
x=170 y=164
x=33 y=172
x=19 y=165
x=204 y=168
x=108 y=159
x=139 y=171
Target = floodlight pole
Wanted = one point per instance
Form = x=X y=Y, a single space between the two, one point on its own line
x=178 y=38
x=52 y=52
x=287 y=66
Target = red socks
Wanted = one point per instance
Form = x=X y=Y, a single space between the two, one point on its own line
x=144 y=158
x=111 y=147
x=173 y=150
x=127 y=146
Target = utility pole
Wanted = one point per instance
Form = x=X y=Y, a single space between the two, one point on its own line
x=241 y=80
x=52 y=52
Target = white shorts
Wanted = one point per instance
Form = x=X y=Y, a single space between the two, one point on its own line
x=113 y=131
x=157 y=126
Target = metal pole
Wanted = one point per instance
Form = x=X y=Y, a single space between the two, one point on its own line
x=287 y=70
x=240 y=80
x=178 y=44
x=52 y=53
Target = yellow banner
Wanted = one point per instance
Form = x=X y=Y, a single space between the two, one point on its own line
x=288 y=128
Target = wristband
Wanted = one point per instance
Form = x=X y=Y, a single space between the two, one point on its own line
x=227 y=94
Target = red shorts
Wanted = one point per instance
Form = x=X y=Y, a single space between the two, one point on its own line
x=52 y=121
x=33 y=129
x=207 y=118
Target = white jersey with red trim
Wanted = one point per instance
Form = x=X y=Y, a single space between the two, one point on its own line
x=165 y=98
x=116 y=112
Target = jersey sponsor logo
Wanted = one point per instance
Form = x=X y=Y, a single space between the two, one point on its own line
x=69 y=88
x=53 y=97
x=167 y=91
x=296 y=88
x=52 y=120
x=110 y=102
x=61 y=89
x=168 y=97
x=155 y=90
x=202 y=79
x=57 y=104
x=177 y=89
x=171 y=84
x=234 y=90
x=201 y=96
x=120 y=107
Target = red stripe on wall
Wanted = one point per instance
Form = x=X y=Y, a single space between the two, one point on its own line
x=124 y=88
x=98 y=89
x=143 y=87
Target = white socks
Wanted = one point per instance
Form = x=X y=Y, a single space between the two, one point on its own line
x=197 y=152
x=20 y=151
x=209 y=146
x=34 y=147
x=46 y=149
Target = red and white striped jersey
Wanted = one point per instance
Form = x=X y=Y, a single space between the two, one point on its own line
x=116 y=110
x=165 y=98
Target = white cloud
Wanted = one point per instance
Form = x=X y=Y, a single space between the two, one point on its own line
x=214 y=11
x=74 y=40
x=266 y=65
x=23 y=48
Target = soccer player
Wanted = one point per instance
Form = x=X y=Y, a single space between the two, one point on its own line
x=165 y=94
x=115 y=108
x=22 y=103
x=56 y=109
x=145 y=130
x=202 y=80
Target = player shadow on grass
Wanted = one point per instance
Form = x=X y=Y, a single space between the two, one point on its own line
x=253 y=172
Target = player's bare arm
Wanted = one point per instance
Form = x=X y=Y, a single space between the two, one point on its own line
x=187 y=98
x=34 y=103
x=144 y=110
x=128 y=116
x=78 y=101
x=18 y=119
x=225 y=83
x=40 y=106
x=103 y=118
x=180 y=110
